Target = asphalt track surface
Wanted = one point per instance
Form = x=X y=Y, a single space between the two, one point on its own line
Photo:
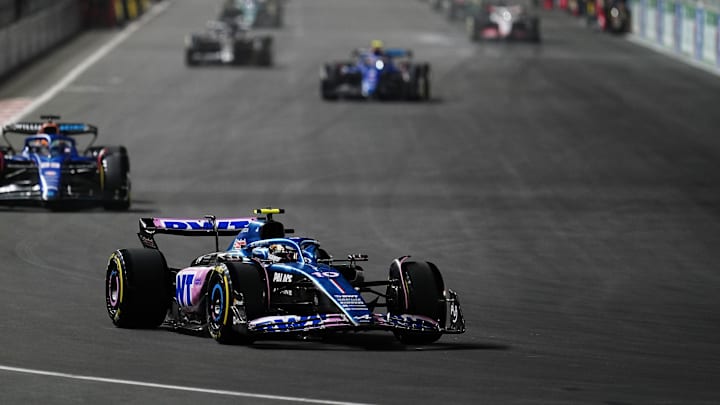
x=569 y=192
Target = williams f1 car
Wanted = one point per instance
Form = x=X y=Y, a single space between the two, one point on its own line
x=50 y=171
x=376 y=73
x=267 y=284
x=503 y=19
x=226 y=42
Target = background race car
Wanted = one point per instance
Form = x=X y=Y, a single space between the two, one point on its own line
x=266 y=284
x=228 y=43
x=376 y=73
x=255 y=13
x=503 y=19
x=50 y=171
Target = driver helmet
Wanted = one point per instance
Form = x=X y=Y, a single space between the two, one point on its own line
x=376 y=47
x=281 y=253
x=49 y=128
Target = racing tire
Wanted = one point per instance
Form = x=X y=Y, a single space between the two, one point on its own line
x=535 y=30
x=471 y=25
x=420 y=84
x=266 y=52
x=138 y=288
x=242 y=282
x=115 y=179
x=328 y=83
x=189 y=58
x=417 y=288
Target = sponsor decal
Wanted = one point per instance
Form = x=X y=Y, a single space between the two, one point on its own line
x=49 y=165
x=192 y=224
x=282 y=278
x=350 y=301
x=287 y=323
x=239 y=243
x=183 y=284
x=147 y=241
x=72 y=127
x=412 y=322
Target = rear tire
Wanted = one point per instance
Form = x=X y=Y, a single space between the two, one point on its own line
x=115 y=180
x=424 y=286
x=137 y=288
x=266 y=53
x=243 y=282
x=189 y=59
x=471 y=28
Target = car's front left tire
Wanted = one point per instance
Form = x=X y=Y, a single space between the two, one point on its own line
x=137 y=288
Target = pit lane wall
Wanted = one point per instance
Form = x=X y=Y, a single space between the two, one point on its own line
x=686 y=28
x=29 y=28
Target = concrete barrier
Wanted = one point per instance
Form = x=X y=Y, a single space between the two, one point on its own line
x=37 y=33
x=686 y=28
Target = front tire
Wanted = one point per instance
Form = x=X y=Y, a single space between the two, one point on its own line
x=236 y=295
x=137 y=288
x=419 y=291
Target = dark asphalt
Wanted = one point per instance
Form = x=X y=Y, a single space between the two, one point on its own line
x=570 y=193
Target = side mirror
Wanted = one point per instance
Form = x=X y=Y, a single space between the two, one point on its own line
x=261 y=253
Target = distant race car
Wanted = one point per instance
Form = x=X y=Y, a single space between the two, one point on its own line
x=503 y=19
x=376 y=73
x=266 y=284
x=50 y=171
x=228 y=43
x=255 y=13
x=454 y=9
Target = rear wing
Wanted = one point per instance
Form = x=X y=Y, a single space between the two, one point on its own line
x=207 y=226
x=65 y=128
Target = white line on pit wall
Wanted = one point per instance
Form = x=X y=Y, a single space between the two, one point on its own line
x=172 y=387
x=121 y=36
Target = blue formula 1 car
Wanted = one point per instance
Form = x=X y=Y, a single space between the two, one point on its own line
x=51 y=172
x=376 y=73
x=266 y=284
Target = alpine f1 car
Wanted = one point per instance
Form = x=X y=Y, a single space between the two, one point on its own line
x=228 y=43
x=50 y=171
x=376 y=73
x=503 y=19
x=255 y=13
x=266 y=284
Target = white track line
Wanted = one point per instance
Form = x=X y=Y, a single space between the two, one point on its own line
x=173 y=387
x=154 y=11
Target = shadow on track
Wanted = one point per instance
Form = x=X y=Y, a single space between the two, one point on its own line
x=366 y=342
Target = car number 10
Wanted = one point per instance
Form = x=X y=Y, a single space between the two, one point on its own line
x=325 y=274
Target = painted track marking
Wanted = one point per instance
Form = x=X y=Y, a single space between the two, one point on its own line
x=173 y=387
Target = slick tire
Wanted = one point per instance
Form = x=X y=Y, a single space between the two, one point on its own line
x=137 y=288
x=242 y=282
x=535 y=31
x=115 y=179
x=265 y=57
x=189 y=58
x=328 y=83
x=420 y=291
